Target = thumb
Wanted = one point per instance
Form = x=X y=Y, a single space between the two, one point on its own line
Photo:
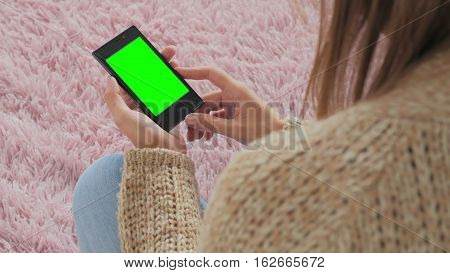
x=116 y=105
x=207 y=122
x=113 y=99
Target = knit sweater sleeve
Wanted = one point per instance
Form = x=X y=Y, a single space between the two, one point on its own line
x=158 y=203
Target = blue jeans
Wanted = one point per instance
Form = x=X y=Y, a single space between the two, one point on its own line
x=95 y=202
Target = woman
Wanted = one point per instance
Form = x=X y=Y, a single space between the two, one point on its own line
x=374 y=179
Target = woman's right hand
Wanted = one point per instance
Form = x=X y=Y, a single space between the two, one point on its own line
x=233 y=110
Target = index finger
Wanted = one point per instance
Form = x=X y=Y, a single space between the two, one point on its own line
x=215 y=75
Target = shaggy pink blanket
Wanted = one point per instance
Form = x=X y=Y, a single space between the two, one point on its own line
x=53 y=121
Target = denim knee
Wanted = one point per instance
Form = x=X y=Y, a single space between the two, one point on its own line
x=95 y=204
x=102 y=177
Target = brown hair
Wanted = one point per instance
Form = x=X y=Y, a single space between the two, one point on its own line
x=348 y=41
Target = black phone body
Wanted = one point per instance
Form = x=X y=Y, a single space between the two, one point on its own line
x=173 y=111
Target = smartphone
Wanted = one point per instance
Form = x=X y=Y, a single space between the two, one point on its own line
x=154 y=85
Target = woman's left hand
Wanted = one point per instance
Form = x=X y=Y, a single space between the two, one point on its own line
x=142 y=131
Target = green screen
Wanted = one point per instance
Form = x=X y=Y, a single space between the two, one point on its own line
x=147 y=76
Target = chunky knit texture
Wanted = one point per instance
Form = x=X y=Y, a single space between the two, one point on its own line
x=159 y=208
x=375 y=178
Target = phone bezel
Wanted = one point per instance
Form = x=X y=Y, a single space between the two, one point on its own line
x=176 y=112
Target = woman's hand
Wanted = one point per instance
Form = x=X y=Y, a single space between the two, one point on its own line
x=142 y=131
x=233 y=110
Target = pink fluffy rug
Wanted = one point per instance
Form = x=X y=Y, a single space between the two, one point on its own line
x=53 y=122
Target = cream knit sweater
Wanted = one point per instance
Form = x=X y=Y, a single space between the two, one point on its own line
x=372 y=178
